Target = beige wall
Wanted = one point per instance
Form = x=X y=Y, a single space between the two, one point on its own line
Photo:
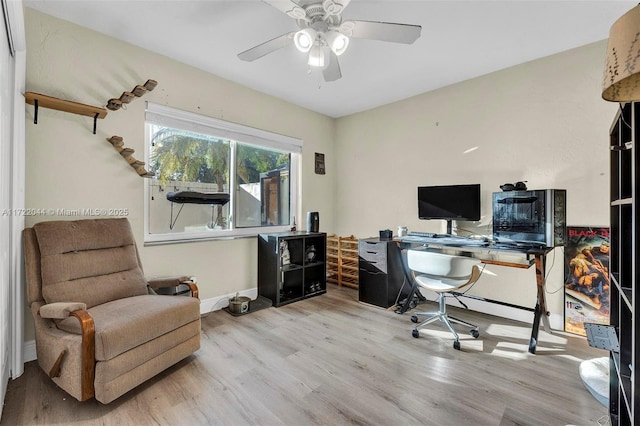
x=543 y=122
x=69 y=167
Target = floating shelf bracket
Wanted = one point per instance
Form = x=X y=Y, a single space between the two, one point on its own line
x=39 y=100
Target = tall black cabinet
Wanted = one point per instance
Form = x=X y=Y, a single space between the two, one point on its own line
x=286 y=279
x=624 y=401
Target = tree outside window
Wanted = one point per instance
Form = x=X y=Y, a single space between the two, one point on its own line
x=189 y=161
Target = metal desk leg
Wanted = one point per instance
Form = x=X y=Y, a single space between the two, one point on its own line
x=540 y=312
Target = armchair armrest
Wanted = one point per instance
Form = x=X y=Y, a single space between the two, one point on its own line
x=193 y=287
x=156 y=283
x=60 y=310
x=88 y=370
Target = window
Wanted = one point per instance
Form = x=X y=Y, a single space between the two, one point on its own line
x=216 y=179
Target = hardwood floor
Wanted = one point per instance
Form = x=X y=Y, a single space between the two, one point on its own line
x=331 y=360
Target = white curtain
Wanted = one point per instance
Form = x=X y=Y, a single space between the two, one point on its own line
x=12 y=82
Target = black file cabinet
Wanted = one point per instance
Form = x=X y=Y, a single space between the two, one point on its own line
x=381 y=272
x=305 y=274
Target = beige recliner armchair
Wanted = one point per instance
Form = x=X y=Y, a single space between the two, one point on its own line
x=100 y=330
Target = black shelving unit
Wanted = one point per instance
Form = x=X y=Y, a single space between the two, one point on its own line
x=624 y=397
x=304 y=276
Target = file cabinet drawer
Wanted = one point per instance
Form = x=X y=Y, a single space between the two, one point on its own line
x=374 y=253
x=380 y=272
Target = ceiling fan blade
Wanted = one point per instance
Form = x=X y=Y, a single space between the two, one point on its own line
x=344 y=3
x=332 y=72
x=289 y=7
x=384 y=31
x=267 y=47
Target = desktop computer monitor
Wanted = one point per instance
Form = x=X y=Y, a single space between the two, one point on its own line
x=449 y=202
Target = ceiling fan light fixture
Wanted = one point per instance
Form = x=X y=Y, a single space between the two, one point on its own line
x=304 y=39
x=323 y=35
x=316 y=56
x=337 y=42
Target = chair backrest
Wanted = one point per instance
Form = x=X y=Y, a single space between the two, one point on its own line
x=440 y=264
x=91 y=261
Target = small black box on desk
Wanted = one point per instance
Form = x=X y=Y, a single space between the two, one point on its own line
x=386 y=235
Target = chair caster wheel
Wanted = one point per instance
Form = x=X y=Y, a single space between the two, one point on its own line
x=412 y=304
x=414 y=318
x=456 y=345
x=415 y=333
x=475 y=333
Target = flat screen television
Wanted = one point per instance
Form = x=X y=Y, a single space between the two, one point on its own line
x=449 y=202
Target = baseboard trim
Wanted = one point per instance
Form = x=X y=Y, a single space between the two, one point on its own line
x=206 y=306
x=6 y=375
x=29 y=351
x=556 y=322
x=497 y=310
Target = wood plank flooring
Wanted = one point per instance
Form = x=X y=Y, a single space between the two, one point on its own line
x=331 y=360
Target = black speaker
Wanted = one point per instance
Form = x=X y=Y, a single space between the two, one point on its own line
x=313 y=221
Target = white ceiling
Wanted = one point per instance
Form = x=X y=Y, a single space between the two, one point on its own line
x=460 y=40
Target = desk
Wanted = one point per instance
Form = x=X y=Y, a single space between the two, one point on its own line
x=514 y=257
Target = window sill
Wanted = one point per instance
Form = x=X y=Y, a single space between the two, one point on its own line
x=195 y=237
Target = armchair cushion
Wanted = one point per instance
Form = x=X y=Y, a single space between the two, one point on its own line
x=60 y=310
x=123 y=324
x=88 y=261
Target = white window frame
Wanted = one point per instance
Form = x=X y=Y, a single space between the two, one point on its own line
x=185 y=120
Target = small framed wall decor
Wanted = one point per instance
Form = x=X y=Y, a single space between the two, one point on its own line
x=320 y=164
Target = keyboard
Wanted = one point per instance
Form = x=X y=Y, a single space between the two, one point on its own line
x=445 y=240
x=422 y=234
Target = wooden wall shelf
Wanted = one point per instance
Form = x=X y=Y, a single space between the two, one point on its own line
x=39 y=100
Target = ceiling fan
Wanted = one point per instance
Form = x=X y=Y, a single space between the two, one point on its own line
x=325 y=36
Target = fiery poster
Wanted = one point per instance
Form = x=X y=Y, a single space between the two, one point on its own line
x=586 y=289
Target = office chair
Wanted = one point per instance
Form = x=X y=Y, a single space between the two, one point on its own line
x=443 y=274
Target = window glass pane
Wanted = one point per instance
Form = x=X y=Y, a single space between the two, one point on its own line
x=255 y=172
x=191 y=162
x=263 y=187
